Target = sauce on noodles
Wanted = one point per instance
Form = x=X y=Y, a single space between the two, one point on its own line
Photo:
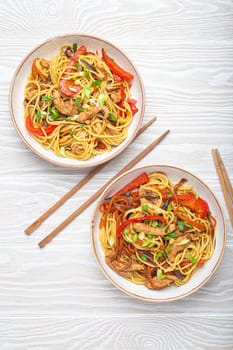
x=155 y=232
x=78 y=103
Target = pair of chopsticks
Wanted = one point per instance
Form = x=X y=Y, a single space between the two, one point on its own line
x=88 y=202
x=224 y=182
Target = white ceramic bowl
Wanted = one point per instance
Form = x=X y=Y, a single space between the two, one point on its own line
x=49 y=49
x=200 y=276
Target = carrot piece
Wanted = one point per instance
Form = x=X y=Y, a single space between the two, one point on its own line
x=141 y=179
x=185 y=218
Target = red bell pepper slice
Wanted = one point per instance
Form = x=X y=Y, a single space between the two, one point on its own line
x=198 y=205
x=38 y=131
x=142 y=218
x=201 y=262
x=132 y=102
x=115 y=68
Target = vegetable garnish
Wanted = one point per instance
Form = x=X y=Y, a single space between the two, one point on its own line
x=192 y=259
x=198 y=205
x=74 y=47
x=38 y=116
x=188 y=221
x=112 y=117
x=101 y=100
x=145 y=206
x=47 y=98
x=132 y=104
x=143 y=257
x=115 y=68
x=97 y=83
x=39 y=131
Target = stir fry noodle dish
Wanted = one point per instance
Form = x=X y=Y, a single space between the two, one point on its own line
x=155 y=232
x=78 y=103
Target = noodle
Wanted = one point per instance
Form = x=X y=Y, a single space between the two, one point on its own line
x=155 y=232
x=77 y=103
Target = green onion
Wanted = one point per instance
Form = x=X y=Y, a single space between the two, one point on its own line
x=97 y=83
x=162 y=276
x=111 y=241
x=150 y=236
x=54 y=113
x=81 y=125
x=167 y=229
x=77 y=101
x=86 y=91
x=159 y=255
x=169 y=195
x=80 y=109
x=192 y=259
x=152 y=244
x=168 y=248
x=143 y=257
x=170 y=239
x=72 y=132
x=47 y=98
x=172 y=235
x=126 y=231
x=145 y=206
x=169 y=207
x=74 y=47
x=101 y=100
x=38 y=116
x=134 y=237
x=86 y=73
x=184 y=241
x=145 y=243
x=154 y=223
x=141 y=235
x=78 y=66
x=187 y=225
x=63 y=151
x=164 y=254
x=112 y=117
x=181 y=225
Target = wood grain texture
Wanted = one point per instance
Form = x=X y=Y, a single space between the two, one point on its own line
x=58 y=298
x=117 y=333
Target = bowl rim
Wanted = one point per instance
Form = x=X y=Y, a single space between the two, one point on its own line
x=59 y=162
x=144 y=298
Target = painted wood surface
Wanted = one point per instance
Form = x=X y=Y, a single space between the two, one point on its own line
x=57 y=298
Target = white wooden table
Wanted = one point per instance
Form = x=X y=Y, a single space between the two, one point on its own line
x=57 y=298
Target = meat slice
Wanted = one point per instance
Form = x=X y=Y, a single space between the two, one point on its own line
x=67 y=108
x=176 y=247
x=156 y=283
x=88 y=114
x=141 y=227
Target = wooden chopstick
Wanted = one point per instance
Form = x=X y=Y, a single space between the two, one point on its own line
x=74 y=189
x=88 y=202
x=224 y=182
